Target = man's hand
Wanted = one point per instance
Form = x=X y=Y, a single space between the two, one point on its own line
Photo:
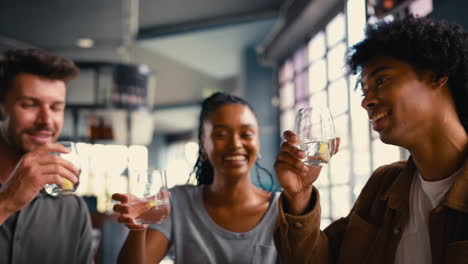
x=294 y=176
x=33 y=171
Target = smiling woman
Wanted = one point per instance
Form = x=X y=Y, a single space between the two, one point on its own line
x=225 y=219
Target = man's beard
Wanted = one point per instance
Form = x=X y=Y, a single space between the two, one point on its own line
x=6 y=136
x=17 y=144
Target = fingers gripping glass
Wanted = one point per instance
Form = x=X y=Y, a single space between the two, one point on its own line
x=316 y=132
x=67 y=187
x=150 y=197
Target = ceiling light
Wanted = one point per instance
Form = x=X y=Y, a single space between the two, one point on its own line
x=84 y=43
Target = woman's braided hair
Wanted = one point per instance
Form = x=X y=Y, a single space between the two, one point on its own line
x=203 y=169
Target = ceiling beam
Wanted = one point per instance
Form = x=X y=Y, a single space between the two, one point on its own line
x=10 y=43
x=297 y=23
x=204 y=24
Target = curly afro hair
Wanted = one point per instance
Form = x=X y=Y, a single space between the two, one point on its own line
x=438 y=46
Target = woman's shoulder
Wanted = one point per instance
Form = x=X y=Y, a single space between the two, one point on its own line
x=185 y=188
x=187 y=191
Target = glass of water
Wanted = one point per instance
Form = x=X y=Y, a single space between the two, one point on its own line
x=316 y=132
x=149 y=202
x=68 y=187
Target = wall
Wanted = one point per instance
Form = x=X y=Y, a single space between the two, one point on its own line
x=259 y=88
x=230 y=85
x=175 y=83
x=451 y=10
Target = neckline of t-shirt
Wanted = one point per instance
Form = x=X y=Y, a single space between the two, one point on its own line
x=432 y=188
x=229 y=234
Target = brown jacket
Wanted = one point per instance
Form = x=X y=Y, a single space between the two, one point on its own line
x=373 y=228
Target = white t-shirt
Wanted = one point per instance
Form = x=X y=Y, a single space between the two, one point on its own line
x=415 y=245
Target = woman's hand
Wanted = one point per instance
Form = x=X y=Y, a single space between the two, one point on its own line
x=131 y=207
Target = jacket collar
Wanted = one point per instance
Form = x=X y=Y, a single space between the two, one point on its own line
x=457 y=196
x=398 y=193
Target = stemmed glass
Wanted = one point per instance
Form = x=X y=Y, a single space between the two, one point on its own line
x=149 y=196
x=68 y=187
x=316 y=132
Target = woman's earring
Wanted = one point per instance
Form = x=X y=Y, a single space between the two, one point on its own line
x=203 y=157
x=259 y=157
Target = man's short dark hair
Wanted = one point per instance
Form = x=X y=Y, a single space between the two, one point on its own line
x=438 y=46
x=33 y=61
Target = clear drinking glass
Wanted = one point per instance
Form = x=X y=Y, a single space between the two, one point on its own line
x=316 y=132
x=149 y=203
x=68 y=187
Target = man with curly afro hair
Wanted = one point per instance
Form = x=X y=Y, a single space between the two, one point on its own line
x=414 y=78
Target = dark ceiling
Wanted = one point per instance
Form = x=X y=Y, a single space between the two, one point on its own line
x=180 y=30
x=162 y=17
x=56 y=24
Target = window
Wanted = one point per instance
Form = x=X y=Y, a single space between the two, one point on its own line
x=316 y=75
x=181 y=158
x=105 y=170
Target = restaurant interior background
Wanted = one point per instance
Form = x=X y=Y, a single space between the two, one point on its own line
x=147 y=64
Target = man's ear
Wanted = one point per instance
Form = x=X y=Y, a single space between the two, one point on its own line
x=439 y=81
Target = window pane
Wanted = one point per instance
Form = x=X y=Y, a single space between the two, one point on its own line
x=341 y=129
x=287 y=120
x=286 y=72
x=340 y=168
x=341 y=201
x=286 y=96
x=317 y=76
x=178 y=165
x=324 y=223
x=300 y=85
x=325 y=201
x=336 y=62
x=300 y=59
x=336 y=30
x=356 y=20
x=318 y=99
x=323 y=179
x=301 y=104
x=85 y=187
x=316 y=46
x=338 y=96
x=359 y=122
x=361 y=162
x=360 y=182
x=384 y=153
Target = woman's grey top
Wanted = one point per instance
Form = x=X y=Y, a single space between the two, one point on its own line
x=195 y=238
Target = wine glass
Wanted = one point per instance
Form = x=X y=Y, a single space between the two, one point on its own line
x=67 y=187
x=149 y=196
x=316 y=132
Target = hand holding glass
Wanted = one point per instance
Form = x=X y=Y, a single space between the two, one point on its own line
x=316 y=132
x=68 y=187
x=149 y=197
